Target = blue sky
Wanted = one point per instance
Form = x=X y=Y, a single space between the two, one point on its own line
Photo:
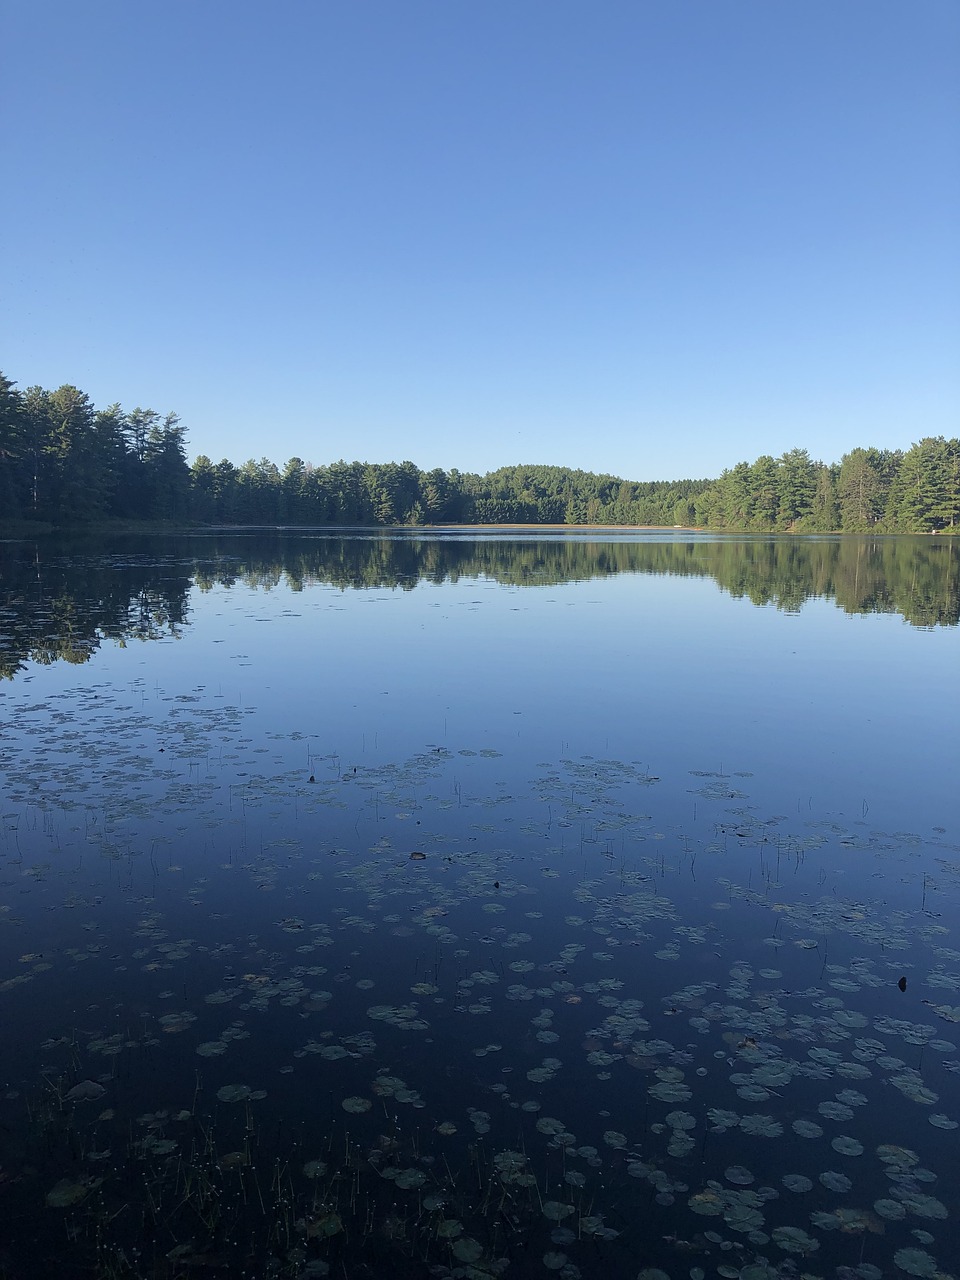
x=646 y=238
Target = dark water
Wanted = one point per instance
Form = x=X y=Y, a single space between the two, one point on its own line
x=474 y=906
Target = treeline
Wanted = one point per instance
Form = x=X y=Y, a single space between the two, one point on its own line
x=62 y=461
x=360 y=493
x=869 y=490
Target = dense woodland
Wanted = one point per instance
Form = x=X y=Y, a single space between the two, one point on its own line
x=63 y=462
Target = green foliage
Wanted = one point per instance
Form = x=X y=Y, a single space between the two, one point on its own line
x=872 y=490
x=63 y=462
x=925 y=495
x=796 y=489
x=11 y=449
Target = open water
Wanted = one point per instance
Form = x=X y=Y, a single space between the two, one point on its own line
x=478 y=904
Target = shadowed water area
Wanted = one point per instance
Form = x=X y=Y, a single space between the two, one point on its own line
x=478 y=904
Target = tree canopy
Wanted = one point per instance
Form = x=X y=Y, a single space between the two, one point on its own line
x=64 y=462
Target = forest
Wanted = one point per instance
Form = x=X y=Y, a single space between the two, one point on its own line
x=65 y=463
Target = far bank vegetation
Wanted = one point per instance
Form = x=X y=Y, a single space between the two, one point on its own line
x=65 y=462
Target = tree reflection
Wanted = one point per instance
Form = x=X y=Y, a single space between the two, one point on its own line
x=60 y=603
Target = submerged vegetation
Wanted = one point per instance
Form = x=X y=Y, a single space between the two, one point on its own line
x=64 y=461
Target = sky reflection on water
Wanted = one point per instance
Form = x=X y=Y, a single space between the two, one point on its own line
x=678 y=851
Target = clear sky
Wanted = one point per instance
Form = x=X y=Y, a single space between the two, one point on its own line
x=646 y=237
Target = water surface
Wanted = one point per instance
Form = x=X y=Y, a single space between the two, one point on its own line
x=479 y=905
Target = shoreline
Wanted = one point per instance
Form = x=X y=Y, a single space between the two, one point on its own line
x=23 y=530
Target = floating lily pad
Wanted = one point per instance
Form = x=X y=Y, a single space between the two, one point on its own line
x=326 y=1224
x=467 y=1249
x=707 y=1203
x=70 y=1191
x=233 y=1092
x=86 y=1091
x=212 y=1048
x=890 y=1209
x=834 y=1181
x=807 y=1129
x=796 y=1182
x=917 y=1262
x=847 y=1146
x=794 y=1240
x=940 y=1121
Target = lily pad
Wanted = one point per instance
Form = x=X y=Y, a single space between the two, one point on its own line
x=70 y=1191
x=86 y=1091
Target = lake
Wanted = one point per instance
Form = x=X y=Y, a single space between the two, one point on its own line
x=479 y=903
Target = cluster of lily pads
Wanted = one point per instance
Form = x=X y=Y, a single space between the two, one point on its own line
x=603 y=1021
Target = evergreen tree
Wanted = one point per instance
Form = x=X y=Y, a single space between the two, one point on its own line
x=925 y=494
x=293 y=510
x=166 y=472
x=825 y=513
x=226 y=490
x=764 y=493
x=12 y=471
x=63 y=461
x=203 y=482
x=860 y=492
x=797 y=487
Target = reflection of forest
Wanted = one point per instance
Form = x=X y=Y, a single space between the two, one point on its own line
x=59 y=603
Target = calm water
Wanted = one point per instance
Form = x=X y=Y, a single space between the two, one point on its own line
x=480 y=905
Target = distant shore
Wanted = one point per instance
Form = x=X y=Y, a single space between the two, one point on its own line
x=25 y=529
